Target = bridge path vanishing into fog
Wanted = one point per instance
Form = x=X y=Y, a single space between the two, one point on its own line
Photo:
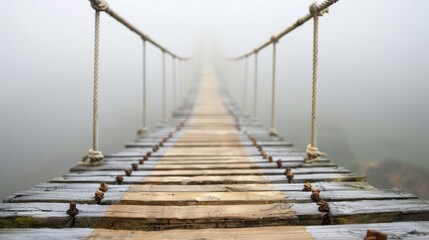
x=211 y=169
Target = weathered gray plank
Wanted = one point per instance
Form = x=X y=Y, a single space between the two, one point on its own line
x=204 y=198
x=211 y=172
x=197 y=216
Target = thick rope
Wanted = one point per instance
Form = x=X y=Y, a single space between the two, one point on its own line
x=272 y=130
x=313 y=154
x=174 y=86
x=255 y=89
x=144 y=86
x=94 y=156
x=164 y=120
x=243 y=103
x=143 y=130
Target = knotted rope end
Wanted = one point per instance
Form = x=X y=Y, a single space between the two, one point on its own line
x=99 y=5
x=93 y=158
x=313 y=154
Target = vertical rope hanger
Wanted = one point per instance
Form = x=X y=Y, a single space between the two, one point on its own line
x=243 y=102
x=255 y=89
x=144 y=128
x=174 y=86
x=272 y=130
x=94 y=156
x=164 y=119
x=313 y=153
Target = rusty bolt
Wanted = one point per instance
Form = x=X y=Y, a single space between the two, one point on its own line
x=155 y=148
x=128 y=172
x=148 y=154
x=72 y=211
x=134 y=166
x=98 y=195
x=141 y=160
x=119 y=179
x=264 y=155
x=289 y=174
x=279 y=163
x=270 y=158
x=323 y=206
x=327 y=219
x=161 y=144
x=315 y=195
x=372 y=234
x=307 y=187
x=103 y=187
x=177 y=128
x=259 y=146
x=170 y=135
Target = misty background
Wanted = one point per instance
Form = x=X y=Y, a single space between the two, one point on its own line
x=373 y=84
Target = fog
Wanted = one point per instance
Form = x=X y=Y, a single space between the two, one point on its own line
x=373 y=69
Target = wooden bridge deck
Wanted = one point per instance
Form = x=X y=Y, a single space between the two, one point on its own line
x=210 y=176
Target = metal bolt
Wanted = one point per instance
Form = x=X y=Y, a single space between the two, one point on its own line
x=119 y=179
x=270 y=158
x=103 y=187
x=315 y=195
x=72 y=211
x=128 y=172
x=323 y=206
x=170 y=135
x=279 y=163
x=141 y=160
x=134 y=166
x=373 y=234
x=161 y=144
x=289 y=174
x=148 y=154
x=264 y=155
x=98 y=195
x=155 y=148
x=327 y=219
x=307 y=187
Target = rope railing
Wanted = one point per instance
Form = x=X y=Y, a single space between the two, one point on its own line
x=315 y=10
x=94 y=155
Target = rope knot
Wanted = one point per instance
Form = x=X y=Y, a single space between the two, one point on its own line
x=99 y=5
x=314 y=10
x=92 y=158
x=274 y=39
x=313 y=154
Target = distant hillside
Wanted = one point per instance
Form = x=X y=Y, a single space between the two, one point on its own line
x=395 y=174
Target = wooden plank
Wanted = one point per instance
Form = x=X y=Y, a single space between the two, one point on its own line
x=90 y=187
x=216 y=172
x=203 y=198
x=402 y=230
x=181 y=180
x=203 y=216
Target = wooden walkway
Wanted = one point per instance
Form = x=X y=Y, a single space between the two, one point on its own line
x=208 y=180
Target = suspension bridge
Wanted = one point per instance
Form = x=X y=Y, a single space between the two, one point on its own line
x=211 y=172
